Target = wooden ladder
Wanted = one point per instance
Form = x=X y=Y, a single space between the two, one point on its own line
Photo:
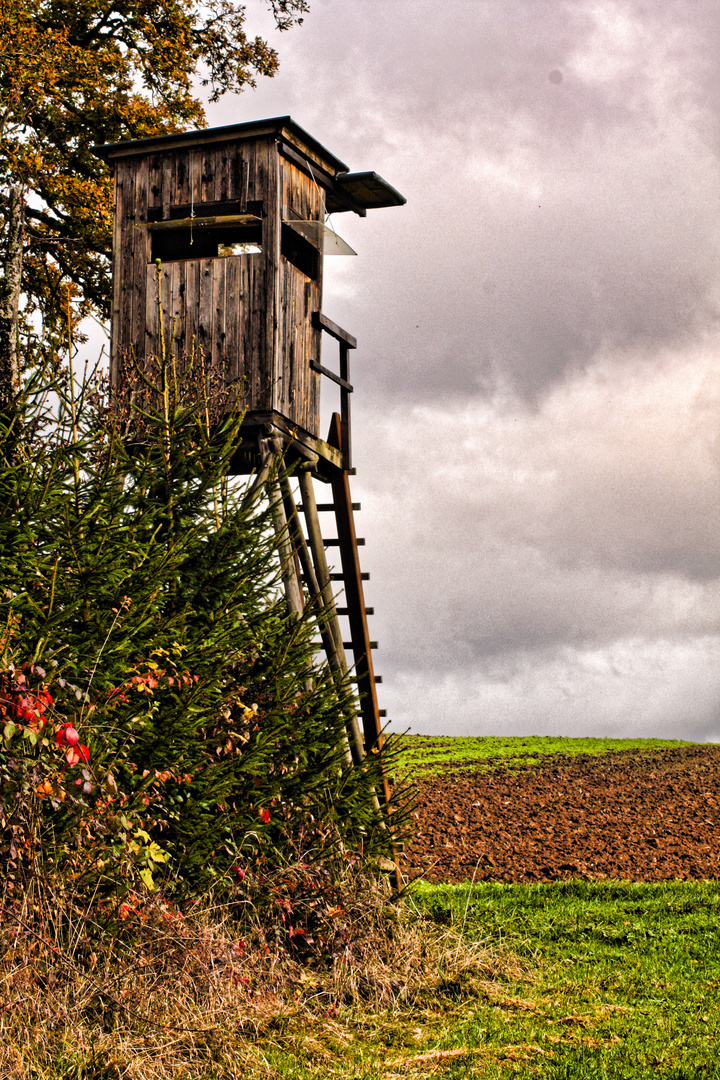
x=306 y=570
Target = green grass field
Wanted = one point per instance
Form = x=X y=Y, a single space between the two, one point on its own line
x=598 y=980
x=615 y=980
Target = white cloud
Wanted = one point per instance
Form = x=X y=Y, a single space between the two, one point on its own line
x=630 y=689
x=504 y=538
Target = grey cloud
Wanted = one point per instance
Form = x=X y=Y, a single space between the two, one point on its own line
x=544 y=221
x=536 y=397
x=501 y=529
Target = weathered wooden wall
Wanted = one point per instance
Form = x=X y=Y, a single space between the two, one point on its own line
x=250 y=314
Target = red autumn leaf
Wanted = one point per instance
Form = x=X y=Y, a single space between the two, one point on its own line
x=264 y=816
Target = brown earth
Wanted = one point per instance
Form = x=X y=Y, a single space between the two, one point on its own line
x=639 y=816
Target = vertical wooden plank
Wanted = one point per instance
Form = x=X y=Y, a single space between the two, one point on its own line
x=168 y=298
x=181 y=178
x=222 y=173
x=141 y=256
x=257 y=355
x=219 y=359
x=247 y=366
x=192 y=303
x=152 y=328
x=126 y=172
x=176 y=284
x=155 y=181
x=204 y=165
x=206 y=312
x=313 y=302
x=233 y=326
x=168 y=179
x=235 y=172
x=295 y=367
x=254 y=169
x=194 y=187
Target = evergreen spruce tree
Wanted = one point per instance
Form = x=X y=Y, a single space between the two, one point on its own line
x=193 y=736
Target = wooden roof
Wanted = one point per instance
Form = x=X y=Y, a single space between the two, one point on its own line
x=345 y=190
x=276 y=125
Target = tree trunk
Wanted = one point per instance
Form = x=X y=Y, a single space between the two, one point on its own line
x=10 y=283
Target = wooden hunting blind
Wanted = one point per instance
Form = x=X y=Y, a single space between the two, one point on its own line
x=218 y=250
x=235 y=218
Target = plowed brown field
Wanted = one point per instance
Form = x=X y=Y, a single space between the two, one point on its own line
x=640 y=816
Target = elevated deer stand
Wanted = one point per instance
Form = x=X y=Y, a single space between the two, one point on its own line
x=218 y=248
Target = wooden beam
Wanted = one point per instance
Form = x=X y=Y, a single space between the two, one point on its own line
x=332 y=376
x=199 y=222
x=321 y=322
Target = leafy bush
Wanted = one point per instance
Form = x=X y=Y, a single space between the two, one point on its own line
x=164 y=721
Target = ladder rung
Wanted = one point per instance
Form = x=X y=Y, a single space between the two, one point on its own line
x=349 y=645
x=341 y=577
x=329 y=507
x=346 y=611
x=335 y=542
x=382 y=712
x=354 y=678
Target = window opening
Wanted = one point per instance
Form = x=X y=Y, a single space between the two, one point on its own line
x=299 y=251
x=198 y=242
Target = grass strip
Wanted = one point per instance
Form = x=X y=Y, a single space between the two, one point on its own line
x=425 y=755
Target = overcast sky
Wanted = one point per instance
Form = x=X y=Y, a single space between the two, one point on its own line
x=536 y=408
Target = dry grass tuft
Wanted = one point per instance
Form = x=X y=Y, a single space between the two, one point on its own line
x=198 y=994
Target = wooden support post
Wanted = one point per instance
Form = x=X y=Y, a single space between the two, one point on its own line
x=317 y=546
x=270 y=454
x=288 y=566
x=327 y=616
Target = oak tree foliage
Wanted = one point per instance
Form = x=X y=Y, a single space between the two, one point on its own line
x=74 y=73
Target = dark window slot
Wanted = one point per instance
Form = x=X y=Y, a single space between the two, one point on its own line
x=178 y=244
x=298 y=251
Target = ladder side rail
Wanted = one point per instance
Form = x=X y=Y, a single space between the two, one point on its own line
x=346 y=441
x=355 y=599
x=317 y=547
